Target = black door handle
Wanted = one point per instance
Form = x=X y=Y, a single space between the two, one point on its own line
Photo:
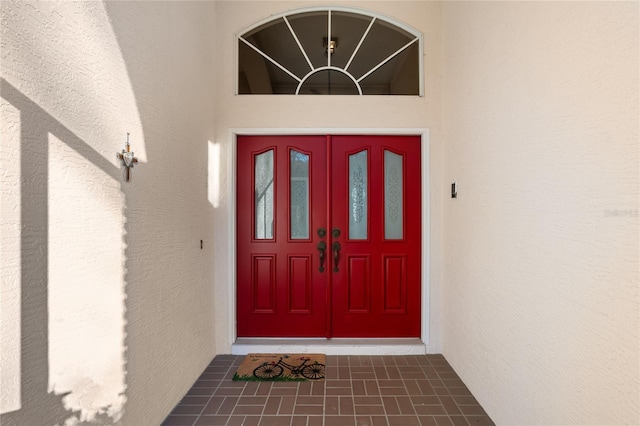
x=322 y=247
x=336 y=255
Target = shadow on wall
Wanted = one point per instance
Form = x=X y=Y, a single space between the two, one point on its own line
x=71 y=361
x=84 y=345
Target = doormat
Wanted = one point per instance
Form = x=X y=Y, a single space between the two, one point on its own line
x=281 y=367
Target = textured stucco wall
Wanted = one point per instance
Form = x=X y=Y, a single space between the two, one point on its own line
x=540 y=107
x=318 y=112
x=106 y=295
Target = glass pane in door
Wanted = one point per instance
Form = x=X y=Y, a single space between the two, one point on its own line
x=392 y=196
x=358 y=186
x=264 y=196
x=299 y=195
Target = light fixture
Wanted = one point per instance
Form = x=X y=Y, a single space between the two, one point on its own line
x=128 y=159
x=329 y=46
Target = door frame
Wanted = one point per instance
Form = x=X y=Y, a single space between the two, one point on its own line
x=425 y=203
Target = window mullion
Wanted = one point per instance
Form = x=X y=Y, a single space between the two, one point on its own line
x=329 y=38
x=293 y=33
x=273 y=61
x=390 y=57
x=360 y=44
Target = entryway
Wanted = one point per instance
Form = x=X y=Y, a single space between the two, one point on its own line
x=329 y=236
x=358 y=390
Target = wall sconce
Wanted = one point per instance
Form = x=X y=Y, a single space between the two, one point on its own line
x=329 y=46
x=128 y=159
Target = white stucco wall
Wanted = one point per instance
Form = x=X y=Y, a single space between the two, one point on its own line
x=540 y=108
x=106 y=296
x=321 y=112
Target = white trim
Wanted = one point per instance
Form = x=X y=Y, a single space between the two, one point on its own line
x=330 y=347
x=390 y=57
x=354 y=10
x=231 y=240
x=355 y=51
x=426 y=238
x=329 y=54
x=293 y=33
x=336 y=346
x=340 y=70
x=269 y=58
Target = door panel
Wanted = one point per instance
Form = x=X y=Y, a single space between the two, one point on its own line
x=359 y=284
x=385 y=271
x=300 y=285
x=263 y=280
x=364 y=191
x=281 y=291
x=395 y=284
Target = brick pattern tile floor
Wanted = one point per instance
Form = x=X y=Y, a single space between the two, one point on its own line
x=358 y=391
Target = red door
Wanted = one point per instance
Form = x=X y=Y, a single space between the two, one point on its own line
x=376 y=206
x=329 y=248
x=282 y=189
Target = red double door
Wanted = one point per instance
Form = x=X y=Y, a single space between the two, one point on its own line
x=328 y=236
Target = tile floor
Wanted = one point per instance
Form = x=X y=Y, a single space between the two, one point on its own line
x=358 y=391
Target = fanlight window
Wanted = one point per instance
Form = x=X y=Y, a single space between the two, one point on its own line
x=330 y=52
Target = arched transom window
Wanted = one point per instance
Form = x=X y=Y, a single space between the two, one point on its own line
x=335 y=51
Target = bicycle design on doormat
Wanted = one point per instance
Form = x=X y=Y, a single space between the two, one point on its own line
x=273 y=370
